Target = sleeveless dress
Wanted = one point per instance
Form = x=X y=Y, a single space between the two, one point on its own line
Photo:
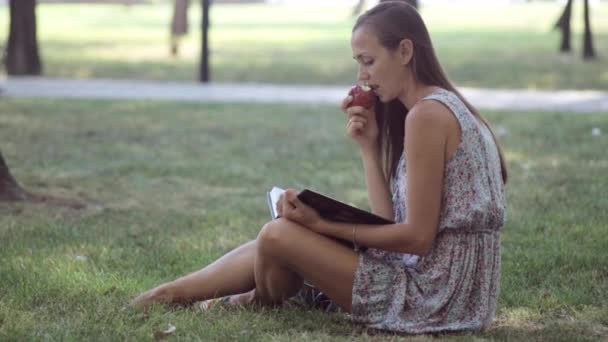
x=455 y=287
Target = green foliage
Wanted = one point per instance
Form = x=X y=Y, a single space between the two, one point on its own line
x=174 y=186
x=487 y=46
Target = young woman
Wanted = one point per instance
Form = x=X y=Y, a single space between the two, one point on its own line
x=432 y=165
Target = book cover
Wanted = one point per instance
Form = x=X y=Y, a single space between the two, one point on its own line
x=329 y=208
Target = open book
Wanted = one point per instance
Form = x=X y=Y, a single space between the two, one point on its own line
x=329 y=208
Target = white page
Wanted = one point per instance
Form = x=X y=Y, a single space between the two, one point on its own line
x=273 y=198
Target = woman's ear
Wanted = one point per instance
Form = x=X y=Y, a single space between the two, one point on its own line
x=406 y=51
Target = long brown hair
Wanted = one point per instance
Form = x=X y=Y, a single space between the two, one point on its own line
x=393 y=21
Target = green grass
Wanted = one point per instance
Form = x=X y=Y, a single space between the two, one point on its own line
x=174 y=186
x=501 y=47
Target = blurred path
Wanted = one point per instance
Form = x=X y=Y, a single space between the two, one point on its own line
x=493 y=99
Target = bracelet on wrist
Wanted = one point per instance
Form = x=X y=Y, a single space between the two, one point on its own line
x=355 y=244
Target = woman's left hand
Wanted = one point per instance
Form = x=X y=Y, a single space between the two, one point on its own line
x=290 y=207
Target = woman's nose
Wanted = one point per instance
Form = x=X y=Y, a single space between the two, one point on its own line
x=363 y=75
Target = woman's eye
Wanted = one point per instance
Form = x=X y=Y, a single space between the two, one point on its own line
x=368 y=62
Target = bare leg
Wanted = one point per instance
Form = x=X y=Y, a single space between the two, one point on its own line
x=275 y=282
x=268 y=270
x=230 y=274
x=288 y=252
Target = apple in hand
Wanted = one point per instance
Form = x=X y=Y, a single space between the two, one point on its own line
x=362 y=97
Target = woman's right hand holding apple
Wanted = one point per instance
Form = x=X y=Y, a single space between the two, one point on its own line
x=361 y=125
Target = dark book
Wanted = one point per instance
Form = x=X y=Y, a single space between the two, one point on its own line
x=329 y=208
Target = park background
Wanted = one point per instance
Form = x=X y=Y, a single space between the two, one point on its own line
x=170 y=186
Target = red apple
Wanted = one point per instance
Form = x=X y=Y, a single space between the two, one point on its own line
x=362 y=97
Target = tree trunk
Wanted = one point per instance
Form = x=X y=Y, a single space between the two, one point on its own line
x=563 y=24
x=179 y=23
x=10 y=190
x=360 y=7
x=204 y=65
x=22 y=49
x=588 y=51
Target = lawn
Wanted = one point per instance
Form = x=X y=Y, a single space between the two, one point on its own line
x=509 y=46
x=173 y=186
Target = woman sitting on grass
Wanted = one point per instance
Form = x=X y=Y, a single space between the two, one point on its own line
x=438 y=268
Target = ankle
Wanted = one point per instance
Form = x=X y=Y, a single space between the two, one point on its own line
x=163 y=294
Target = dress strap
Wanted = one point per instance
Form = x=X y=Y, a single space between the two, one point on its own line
x=454 y=104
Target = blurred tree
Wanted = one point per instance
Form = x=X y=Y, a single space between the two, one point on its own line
x=563 y=24
x=204 y=64
x=21 y=55
x=10 y=190
x=359 y=8
x=588 y=51
x=179 y=24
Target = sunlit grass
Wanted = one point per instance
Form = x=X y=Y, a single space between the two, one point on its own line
x=173 y=186
x=486 y=46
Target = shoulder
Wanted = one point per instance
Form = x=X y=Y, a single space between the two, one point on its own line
x=429 y=115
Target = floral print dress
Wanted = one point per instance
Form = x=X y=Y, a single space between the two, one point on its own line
x=454 y=287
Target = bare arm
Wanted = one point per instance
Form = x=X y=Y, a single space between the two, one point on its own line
x=378 y=191
x=362 y=128
x=426 y=136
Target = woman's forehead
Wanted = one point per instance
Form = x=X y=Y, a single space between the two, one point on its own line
x=364 y=39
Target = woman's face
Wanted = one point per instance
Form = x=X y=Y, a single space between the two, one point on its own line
x=380 y=68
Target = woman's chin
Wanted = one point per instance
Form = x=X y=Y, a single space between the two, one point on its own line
x=384 y=99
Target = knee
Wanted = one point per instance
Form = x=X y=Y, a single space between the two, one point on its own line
x=272 y=236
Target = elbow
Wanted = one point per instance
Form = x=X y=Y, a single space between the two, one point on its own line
x=424 y=247
x=421 y=244
x=426 y=241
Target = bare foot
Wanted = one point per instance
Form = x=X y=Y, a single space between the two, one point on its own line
x=145 y=300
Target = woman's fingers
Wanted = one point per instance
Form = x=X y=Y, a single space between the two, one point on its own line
x=359 y=111
x=357 y=122
x=286 y=202
x=347 y=100
x=279 y=207
x=353 y=111
x=354 y=127
x=358 y=118
x=293 y=208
